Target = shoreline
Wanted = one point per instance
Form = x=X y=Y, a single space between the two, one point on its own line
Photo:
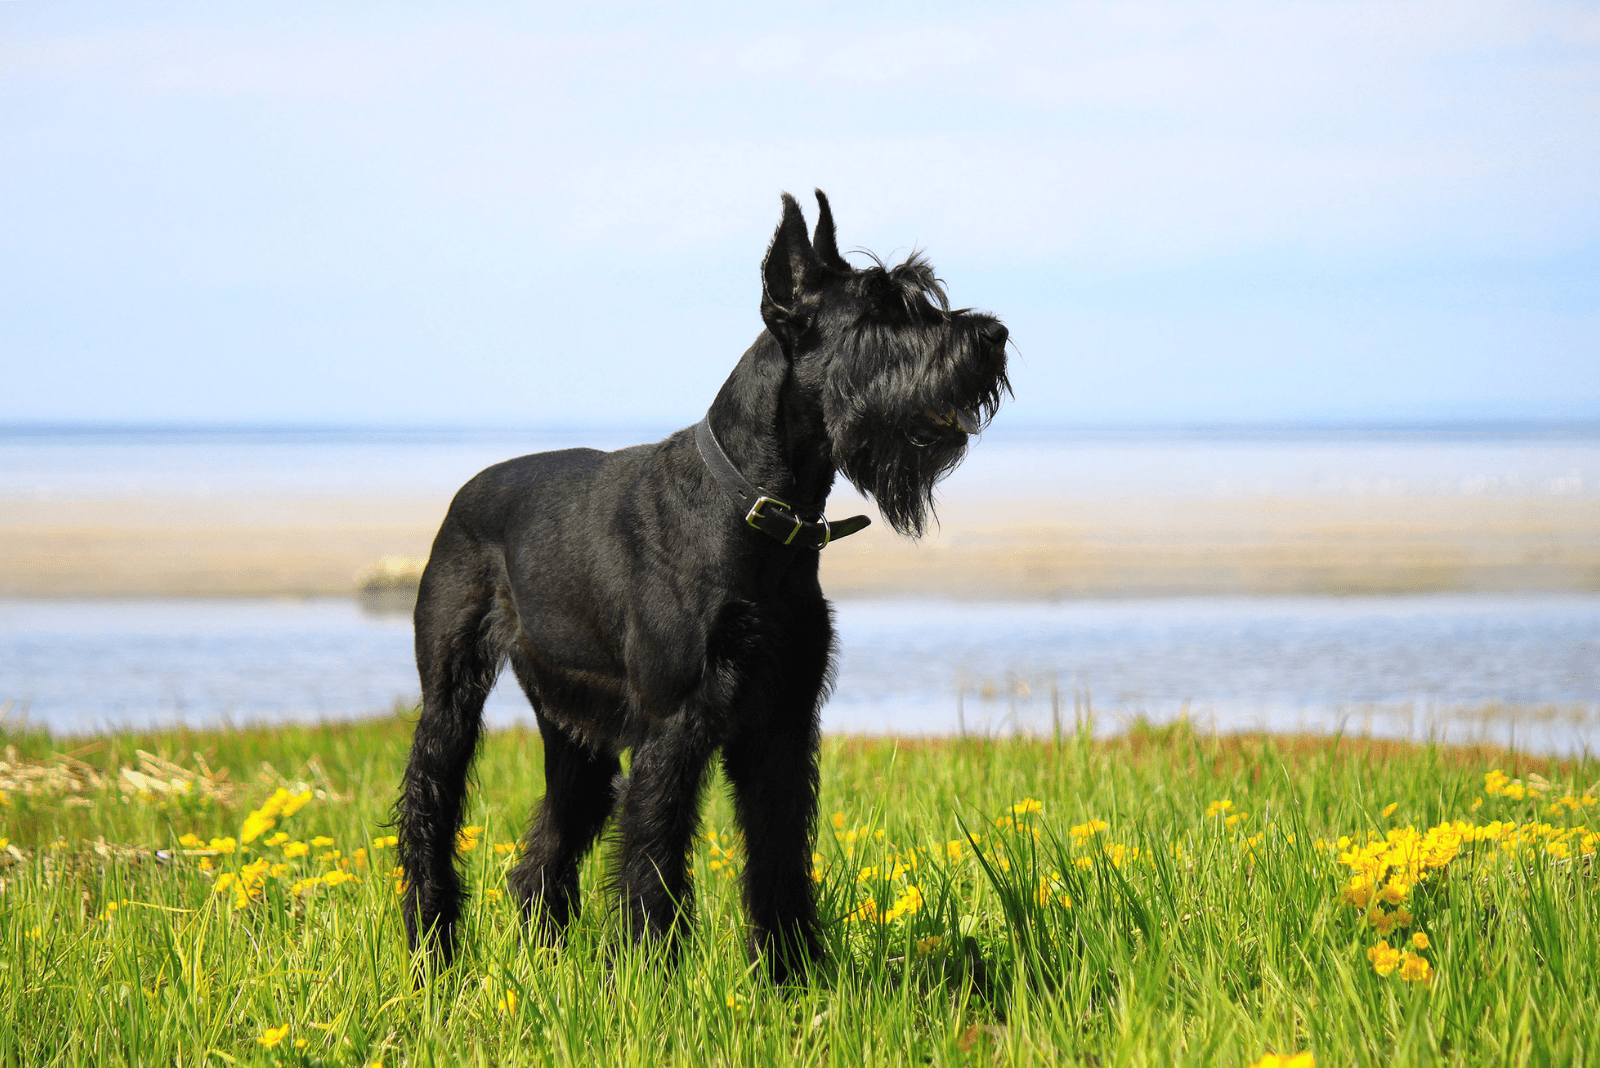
x=1004 y=551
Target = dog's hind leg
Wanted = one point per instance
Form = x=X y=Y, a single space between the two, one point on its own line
x=579 y=793
x=458 y=657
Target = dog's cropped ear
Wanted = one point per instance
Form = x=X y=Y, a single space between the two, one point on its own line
x=825 y=244
x=784 y=272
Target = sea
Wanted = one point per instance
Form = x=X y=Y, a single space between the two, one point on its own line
x=1522 y=670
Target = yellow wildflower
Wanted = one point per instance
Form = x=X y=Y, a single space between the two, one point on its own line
x=508 y=1004
x=223 y=845
x=1084 y=831
x=384 y=842
x=1027 y=806
x=1384 y=959
x=322 y=841
x=273 y=1035
x=1285 y=1060
x=188 y=841
x=1217 y=808
x=296 y=849
x=1415 y=969
x=335 y=877
x=277 y=839
x=925 y=946
x=1419 y=940
x=838 y=821
x=1388 y=810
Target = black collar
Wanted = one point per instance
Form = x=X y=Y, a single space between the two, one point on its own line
x=770 y=515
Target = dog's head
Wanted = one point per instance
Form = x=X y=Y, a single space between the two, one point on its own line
x=902 y=380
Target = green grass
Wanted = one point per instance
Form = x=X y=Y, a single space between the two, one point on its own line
x=1187 y=940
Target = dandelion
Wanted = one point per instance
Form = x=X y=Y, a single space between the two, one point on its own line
x=1384 y=959
x=272 y=1036
x=1415 y=968
x=1285 y=1060
x=908 y=902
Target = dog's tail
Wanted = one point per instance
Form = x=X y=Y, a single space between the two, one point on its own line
x=459 y=654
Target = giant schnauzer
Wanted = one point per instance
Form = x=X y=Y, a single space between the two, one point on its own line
x=664 y=599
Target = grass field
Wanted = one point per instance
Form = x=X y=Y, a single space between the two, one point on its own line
x=1164 y=898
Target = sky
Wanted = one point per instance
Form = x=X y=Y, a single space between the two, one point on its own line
x=513 y=214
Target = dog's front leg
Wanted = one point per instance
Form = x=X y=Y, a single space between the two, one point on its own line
x=774 y=779
x=660 y=810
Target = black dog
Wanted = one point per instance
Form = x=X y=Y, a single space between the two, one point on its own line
x=664 y=599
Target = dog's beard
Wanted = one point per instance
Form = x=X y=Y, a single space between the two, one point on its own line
x=883 y=463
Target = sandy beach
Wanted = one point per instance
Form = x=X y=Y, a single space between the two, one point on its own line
x=1042 y=550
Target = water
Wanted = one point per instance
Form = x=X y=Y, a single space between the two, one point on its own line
x=1401 y=666
x=65 y=464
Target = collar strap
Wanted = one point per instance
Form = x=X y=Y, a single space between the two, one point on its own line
x=771 y=515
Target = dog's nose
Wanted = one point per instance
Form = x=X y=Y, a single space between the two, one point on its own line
x=995 y=334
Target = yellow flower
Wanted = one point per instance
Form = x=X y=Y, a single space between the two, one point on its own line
x=928 y=945
x=838 y=821
x=1084 y=831
x=294 y=802
x=1217 y=808
x=273 y=1035
x=335 y=877
x=1394 y=892
x=1494 y=782
x=1419 y=940
x=910 y=901
x=1384 y=959
x=277 y=839
x=1388 y=810
x=322 y=841
x=1027 y=806
x=301 y=1043
x=508 y=1004
x=296 y=849
x=1415 y=969
x=254 y=825
x=188 y=841
x=1284 y=1060
x=223 y=845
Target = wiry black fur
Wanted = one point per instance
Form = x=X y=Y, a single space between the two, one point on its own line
x=639 y=611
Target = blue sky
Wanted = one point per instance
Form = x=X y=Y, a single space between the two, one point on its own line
x=527 y=214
